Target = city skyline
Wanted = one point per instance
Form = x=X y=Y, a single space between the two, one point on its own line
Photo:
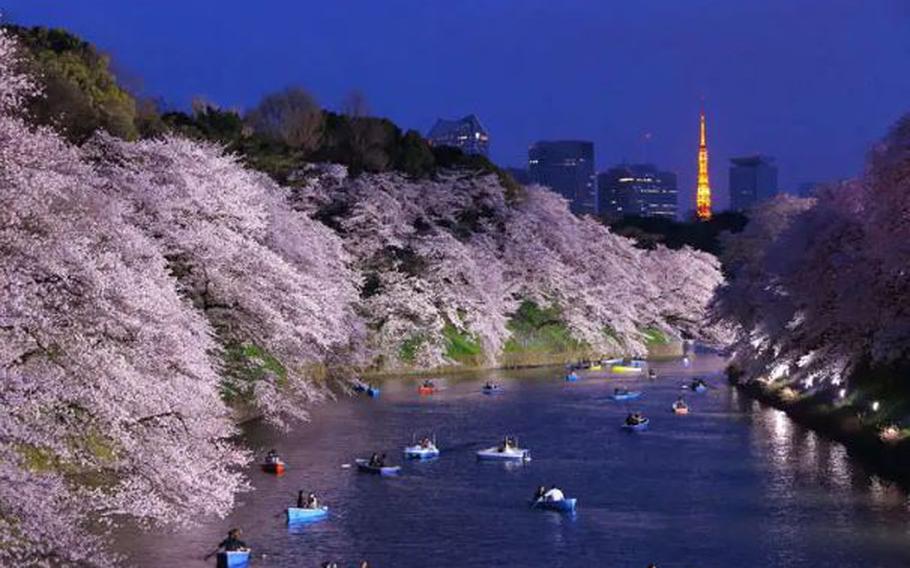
x=533 y=71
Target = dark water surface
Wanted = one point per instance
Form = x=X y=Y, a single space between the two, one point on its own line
x=732 y=484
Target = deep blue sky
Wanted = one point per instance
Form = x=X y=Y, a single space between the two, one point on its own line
x=811 y=82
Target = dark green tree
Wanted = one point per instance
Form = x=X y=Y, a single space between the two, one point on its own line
x=81 y=93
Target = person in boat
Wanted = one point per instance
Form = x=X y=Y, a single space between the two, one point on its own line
x=374 y=460
x=539 y=494
x=508 y=444
x=428 y=384
x=311 y=501
x=301 y=500
x=554 y=494
x=272 y=457
x=635 y=419
x=233 y=543
x=619 y=391
x=652 y=374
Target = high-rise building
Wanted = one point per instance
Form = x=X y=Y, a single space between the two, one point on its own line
x=637 y=189
x=703 y=190
x=753 y=179
x=466 y=133
x=566 y=167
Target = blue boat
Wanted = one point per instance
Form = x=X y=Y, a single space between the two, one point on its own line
x=233 y=559
x=627 y=395
x=305 y=515
x=373 y=392
x=572 y=377
x=364 y=466
x=639 y=427
x=561 y=506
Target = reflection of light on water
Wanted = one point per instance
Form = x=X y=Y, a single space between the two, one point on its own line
x=838 y=468
x=781 y=431
x=887 y=495
x=808 y=452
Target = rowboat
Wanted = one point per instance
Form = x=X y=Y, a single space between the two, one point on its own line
x=628 y=395
x=626 y=369
x=497 y=453
x=233 y=559
x=306 y=515
x=491 y=389
x=419 y=452
x=680 y=408
x=274 y=467
x=364 y=466
x=639 y=427
x=561 y=506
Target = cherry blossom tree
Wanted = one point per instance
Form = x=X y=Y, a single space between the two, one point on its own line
x=819 y=287
x=110 y=404
x=272 y=282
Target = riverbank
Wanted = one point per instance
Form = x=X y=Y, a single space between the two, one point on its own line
x=662 y=352
x=859 y=432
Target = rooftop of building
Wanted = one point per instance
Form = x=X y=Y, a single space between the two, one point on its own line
x=752 y=160
x=445 y=126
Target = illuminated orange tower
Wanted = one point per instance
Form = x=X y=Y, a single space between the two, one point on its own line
x=703 y=190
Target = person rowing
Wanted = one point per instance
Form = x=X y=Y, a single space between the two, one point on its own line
x=272 y=457
x=553 y=494
x=428 y=384
x=508 y=444
x=377 y=460
x=635 y=419
x=308 y=501
x=231 y=544
x=619 y=391
x=652 y=374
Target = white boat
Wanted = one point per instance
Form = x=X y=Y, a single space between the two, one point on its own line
x=419 y=452
x=498 y=453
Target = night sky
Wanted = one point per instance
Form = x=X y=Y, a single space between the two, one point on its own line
x=811 y=82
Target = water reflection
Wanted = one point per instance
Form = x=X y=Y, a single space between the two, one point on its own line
x=683 y=494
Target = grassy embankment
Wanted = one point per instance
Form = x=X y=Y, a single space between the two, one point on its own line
x=540 y=337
